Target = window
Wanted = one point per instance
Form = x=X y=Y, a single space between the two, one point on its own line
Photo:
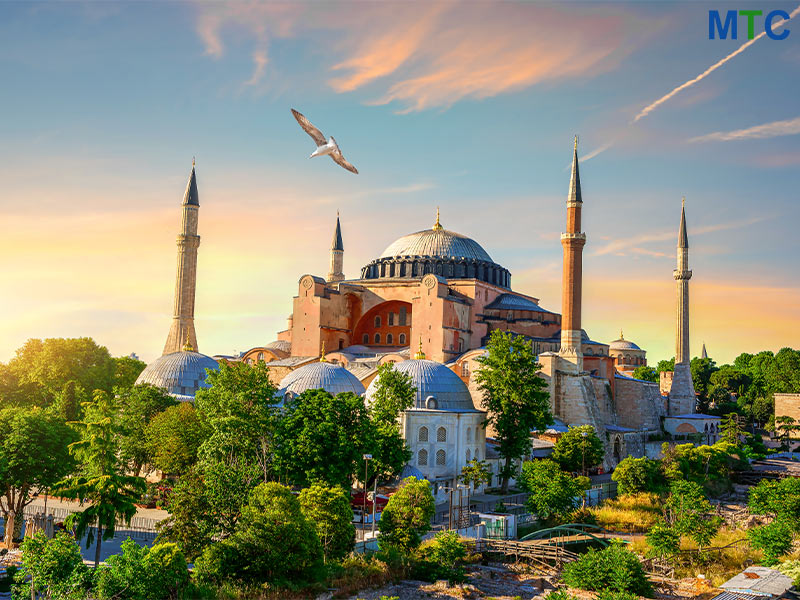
x=460 y=345
x=422 y=436
x=378 y=321
x=477 y=454
x=469 y=434
x=441 y=458
x=260 y=356
x=391 y=319
x=465 y=369
x=441 y=434
x=341 y=344
x=389 y=338
x=377 y=338
x=365 y=339
x=422 y=458
x=402 y=317
x=402 y=339
x=467 y=454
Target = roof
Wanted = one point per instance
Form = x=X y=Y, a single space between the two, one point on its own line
x=623 y=344
x=439 y=243
x=191 y=196
x=737 y=596
x=760 y=581
x=433 y=379
x=283 y=345
x=683 y=239
x=693 y=416
x=291 y=361
x=332 y=378
x=514 y=302
x=336 y=243
x=619 y=429
x=180 y=373
x=574 y=194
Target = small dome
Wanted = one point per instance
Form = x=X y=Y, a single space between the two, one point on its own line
x=180 y=373
x=433 y=380
x=282 y=345
x=440 y=243
x=623 y=344
x=330 y=377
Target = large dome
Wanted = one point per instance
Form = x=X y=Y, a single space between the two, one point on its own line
x=180 y=373
x=435 y=381
x=330 y=377
x=439 y=243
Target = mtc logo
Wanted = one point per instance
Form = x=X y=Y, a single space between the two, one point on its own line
x=715 y=24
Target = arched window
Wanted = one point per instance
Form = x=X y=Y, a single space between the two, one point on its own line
x=422 y=436
x=365 y=339
x=469 y=434
x=441 y=434
x=389 y=338
x=477 y=454
x=422 y=458
x=391 y=319
x=260 y=356
x=377 y=321
x=402 y=339
x=377 y=338
x=402 y=318
x=468 y=457
x=441 y=458
x=465 y=369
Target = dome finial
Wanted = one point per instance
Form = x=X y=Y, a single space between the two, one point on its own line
x=322 y=354
x=187 y=347
x=437 y=225
x=420 y=355
x=622 y=337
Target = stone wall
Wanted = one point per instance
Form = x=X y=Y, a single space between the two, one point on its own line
x=638 y=403
x=787 y=405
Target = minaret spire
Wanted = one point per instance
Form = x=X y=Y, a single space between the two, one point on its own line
x=337 y=254
x=182 y=334
x=572 y=241
x=681 y=394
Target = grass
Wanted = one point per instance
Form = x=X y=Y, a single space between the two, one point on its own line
x=629 y=513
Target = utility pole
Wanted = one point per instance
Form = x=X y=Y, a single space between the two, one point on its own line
x=374 y=498
x=367 y=458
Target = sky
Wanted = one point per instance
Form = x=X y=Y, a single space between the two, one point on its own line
x=468 y=106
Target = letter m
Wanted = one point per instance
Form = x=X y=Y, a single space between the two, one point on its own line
x=715 y=23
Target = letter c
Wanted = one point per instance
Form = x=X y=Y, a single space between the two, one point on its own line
x=768 y=24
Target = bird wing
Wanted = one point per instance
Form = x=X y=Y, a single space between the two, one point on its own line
x=337 y=157
x=315 y=133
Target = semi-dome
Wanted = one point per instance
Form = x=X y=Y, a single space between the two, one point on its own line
x=438 y=251
x=330 y=377
x=437 y=386
x=180 y=373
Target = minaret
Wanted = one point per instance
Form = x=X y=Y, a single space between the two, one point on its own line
x=704 y=352
x=337 y=254
x=681 y=393
x=571 y=285
x=181 y=333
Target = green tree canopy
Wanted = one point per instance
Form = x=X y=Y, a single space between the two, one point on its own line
x=579 y=449
x=634 y=475
x=554 y=494
x=514 y=395
x=328 y=510
x=646 y=373
x=613 y=568
x=173 y=438
x=136 y=406
x=142 y=573
x=126 y=370
x=780 y=499
x=687 y=510
x=394 y=392
x=475 y=473
x=52 y=569
x=407 y=516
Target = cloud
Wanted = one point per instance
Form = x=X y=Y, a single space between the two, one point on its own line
x=596 y=151
x=767 y=130
x=651 y=107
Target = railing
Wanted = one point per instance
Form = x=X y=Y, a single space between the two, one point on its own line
x=138 y=528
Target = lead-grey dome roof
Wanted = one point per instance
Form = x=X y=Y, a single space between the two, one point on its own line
x=440 y=243
x=330 y=377
x=180 y=373
x=433 y=379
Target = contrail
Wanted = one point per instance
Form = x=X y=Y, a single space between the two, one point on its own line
x=648 y=109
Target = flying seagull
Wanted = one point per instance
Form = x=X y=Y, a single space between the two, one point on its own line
x=329 y=147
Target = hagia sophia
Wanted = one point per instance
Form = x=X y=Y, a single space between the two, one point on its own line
x=428 y=303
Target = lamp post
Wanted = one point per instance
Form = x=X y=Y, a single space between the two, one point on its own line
x=584 y=435
x=367 y=458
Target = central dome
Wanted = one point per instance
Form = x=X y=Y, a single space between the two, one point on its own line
x=439 y=243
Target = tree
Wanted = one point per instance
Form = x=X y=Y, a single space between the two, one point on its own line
x=646 y=373
x=322 y=438
x=442 y=558
x=663 y=540
x=579 y=449
x=407 y=516
x=554 y=494
x=142 y=573
x=136 y=407
x=773 y=539
x=52 y=568
x=328 y=510
x=112 y=494
x=666 y=365
x=475 y=473
x=173 y=438
x=702 y=369
x=34 y=455
x=514 y=395
x=68 y=402
x=612 y=568
x=394 y=392
x=779 y=499
x=126 y=370
x=272 y=543
x=634 y=475
x=732 y=429
x=687 y=509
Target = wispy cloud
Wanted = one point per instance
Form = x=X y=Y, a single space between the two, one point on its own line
x=767 y=130
x=596 y=151
x=651 y=107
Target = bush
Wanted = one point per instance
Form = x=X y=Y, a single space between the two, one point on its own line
x=612 y=595
x=554 y=495
x=613 y=568
x=791 y=568
x=634 y=475
x=442 y=558
x=328 y=510
x=773 y=539
x=141 y=573
x=53 y=568
x=663 y=541
x=560 y=595
x=778 y=498
x=407 y=515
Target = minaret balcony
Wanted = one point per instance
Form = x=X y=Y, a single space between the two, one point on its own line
x=573 y=236
x=682 y=275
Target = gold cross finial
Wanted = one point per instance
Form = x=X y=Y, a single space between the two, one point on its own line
x=437 y=226
x=187 y=347
x=322 y=355
x=420 y=355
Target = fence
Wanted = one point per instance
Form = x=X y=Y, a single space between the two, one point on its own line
x=139 y=528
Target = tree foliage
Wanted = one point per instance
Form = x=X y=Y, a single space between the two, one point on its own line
x=136 y=406
x=476 y=473
x=779 y=499
x=579 y=449
x=663 y=540
x=328 y=510
x=773 y=539
x=634 y=475
x=141 y=573
x=646 y=373
x=687 y=510
x=394 y=392
x=612 y=568
x=52 y=568
x=126 y=370
x=554 y=494
x=407 y=516
x=173 y=438
x=514 y=396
